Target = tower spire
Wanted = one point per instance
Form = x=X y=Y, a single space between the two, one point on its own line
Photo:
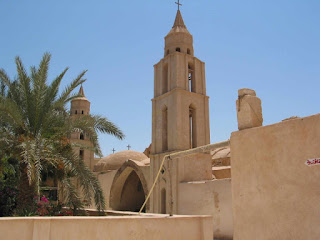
x=179 y=20
x=81 y=92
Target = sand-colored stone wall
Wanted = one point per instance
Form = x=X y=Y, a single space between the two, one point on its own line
x=111 y=228
x=106 y=180
x=275 y=195
x=209 y=198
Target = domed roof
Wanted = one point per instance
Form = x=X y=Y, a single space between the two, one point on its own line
x=220 y=153
x=115 y=161
x=221 y=156
x=146 y=161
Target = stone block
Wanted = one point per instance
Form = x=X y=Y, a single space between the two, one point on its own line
x=249 y=110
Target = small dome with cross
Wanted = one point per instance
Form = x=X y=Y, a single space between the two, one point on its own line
x=116 y=160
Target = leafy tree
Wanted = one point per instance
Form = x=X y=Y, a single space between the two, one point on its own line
x=34 y=128
x=9 y=178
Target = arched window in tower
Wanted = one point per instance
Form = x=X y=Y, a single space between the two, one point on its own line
x=165 y=129
x=192 y=127
x=81 y=154
x=81 y=136
x=82 y=112
x=178 y=49
x=76 y=112
x=191 y=79
x=165 y=79
x=163 y=201
x=188 y=51
x=168 y=52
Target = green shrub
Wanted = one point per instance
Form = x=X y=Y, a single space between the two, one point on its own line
x=9 y=178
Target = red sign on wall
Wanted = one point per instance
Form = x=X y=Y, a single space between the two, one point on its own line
x=312 y=162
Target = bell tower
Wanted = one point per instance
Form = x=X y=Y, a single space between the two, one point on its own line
x=80 y=106
x=180 y=109
x=180 y=115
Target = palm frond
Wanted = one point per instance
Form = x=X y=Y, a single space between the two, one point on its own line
x=11 y=110
x=69 y=193
x=39 y=91
x=70 y=88
x=25 y=98
x=4 y=78
x=103 y=125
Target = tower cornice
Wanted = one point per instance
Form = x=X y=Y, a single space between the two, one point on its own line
x=178 y=90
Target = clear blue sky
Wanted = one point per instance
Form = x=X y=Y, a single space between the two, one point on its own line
x=270 y=46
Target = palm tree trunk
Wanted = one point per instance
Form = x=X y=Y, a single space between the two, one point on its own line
x=26 y=194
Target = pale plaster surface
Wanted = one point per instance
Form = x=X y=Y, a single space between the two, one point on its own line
x=221 y=172
x=211 y=198
x=275 y=195
x=111 y=228
x=106 y=179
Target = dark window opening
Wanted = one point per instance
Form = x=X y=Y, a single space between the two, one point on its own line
x=76 y=112
x=192 y=127
x=165 y=79
x=81 y=136
x=81 y=154
x=178 y=49
x=168 y=52
x=188 y=51
x=165 y=129
x=191 y=79
x=163 y=201
x=81 y=112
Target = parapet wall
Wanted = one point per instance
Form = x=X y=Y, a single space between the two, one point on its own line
x=111 y=228
x=209 y=198
x=275 y=194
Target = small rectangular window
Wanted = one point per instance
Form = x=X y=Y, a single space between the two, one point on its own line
x=81 y=154
x=81 y=136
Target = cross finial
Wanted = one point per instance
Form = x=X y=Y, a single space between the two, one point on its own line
x=179 y=4
x=128 y=146
x=113 y=150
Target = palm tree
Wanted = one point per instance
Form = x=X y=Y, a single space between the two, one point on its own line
x=35 y=125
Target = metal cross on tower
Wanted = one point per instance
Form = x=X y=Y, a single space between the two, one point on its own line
x=113 y=150
x=128 y=146
x=179 y=4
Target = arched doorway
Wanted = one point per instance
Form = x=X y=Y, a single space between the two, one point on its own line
x=129 y=188
x=132 y=195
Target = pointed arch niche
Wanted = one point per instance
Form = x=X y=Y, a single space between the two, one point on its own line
x=192 y=126
x=191 y=78
x=165 y=128
x=165 y=78
x=129 y=188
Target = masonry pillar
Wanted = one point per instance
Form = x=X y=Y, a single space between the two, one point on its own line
x=249 y=111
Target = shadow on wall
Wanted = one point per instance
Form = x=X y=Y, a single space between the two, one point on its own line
x=128 y=190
